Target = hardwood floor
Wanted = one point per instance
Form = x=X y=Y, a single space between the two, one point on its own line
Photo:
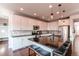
x=4 y=50
x=21 y=52
x=24 y=52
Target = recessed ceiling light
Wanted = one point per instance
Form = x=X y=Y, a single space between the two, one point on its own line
x=50 y=6
x=3 y=31
x=35 y=14
x=21 y=9
x=51 y=16
x=2 y=50
x=62 y=16
x=57 y=12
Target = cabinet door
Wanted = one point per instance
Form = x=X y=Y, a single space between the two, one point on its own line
x=24 y=42
x=44 y=26
x=24 y=23
x=17 y=43
x=16 y=22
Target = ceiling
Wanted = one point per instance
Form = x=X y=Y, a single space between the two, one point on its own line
x=42 y=9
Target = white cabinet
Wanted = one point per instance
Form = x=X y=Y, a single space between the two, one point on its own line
x=24 y=23
x=21 y=23
x=26 y=42
x=53 y=25
x=21 y=42
x=17 y=43
x=15 y=22
x=43 y=26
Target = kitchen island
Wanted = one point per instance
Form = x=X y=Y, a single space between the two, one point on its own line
x=45 y=42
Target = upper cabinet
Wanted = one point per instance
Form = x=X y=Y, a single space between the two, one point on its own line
x=43 y=26
x=15 y=22
x=64 y=22
x=19 y=23
x=25 y=23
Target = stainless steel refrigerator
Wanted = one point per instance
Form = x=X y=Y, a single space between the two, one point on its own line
x=65 y=32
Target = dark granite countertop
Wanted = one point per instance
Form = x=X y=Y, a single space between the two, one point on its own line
x=49 y=46
x=40 y=50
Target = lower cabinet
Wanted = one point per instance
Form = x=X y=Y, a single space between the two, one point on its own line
x=17 y=43
x=25 y=42
x=20 y=42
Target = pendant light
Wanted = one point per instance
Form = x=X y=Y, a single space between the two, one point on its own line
x=59 y=6
x=51 y=15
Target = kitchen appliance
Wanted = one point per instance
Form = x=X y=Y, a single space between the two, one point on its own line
x=65 y=32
